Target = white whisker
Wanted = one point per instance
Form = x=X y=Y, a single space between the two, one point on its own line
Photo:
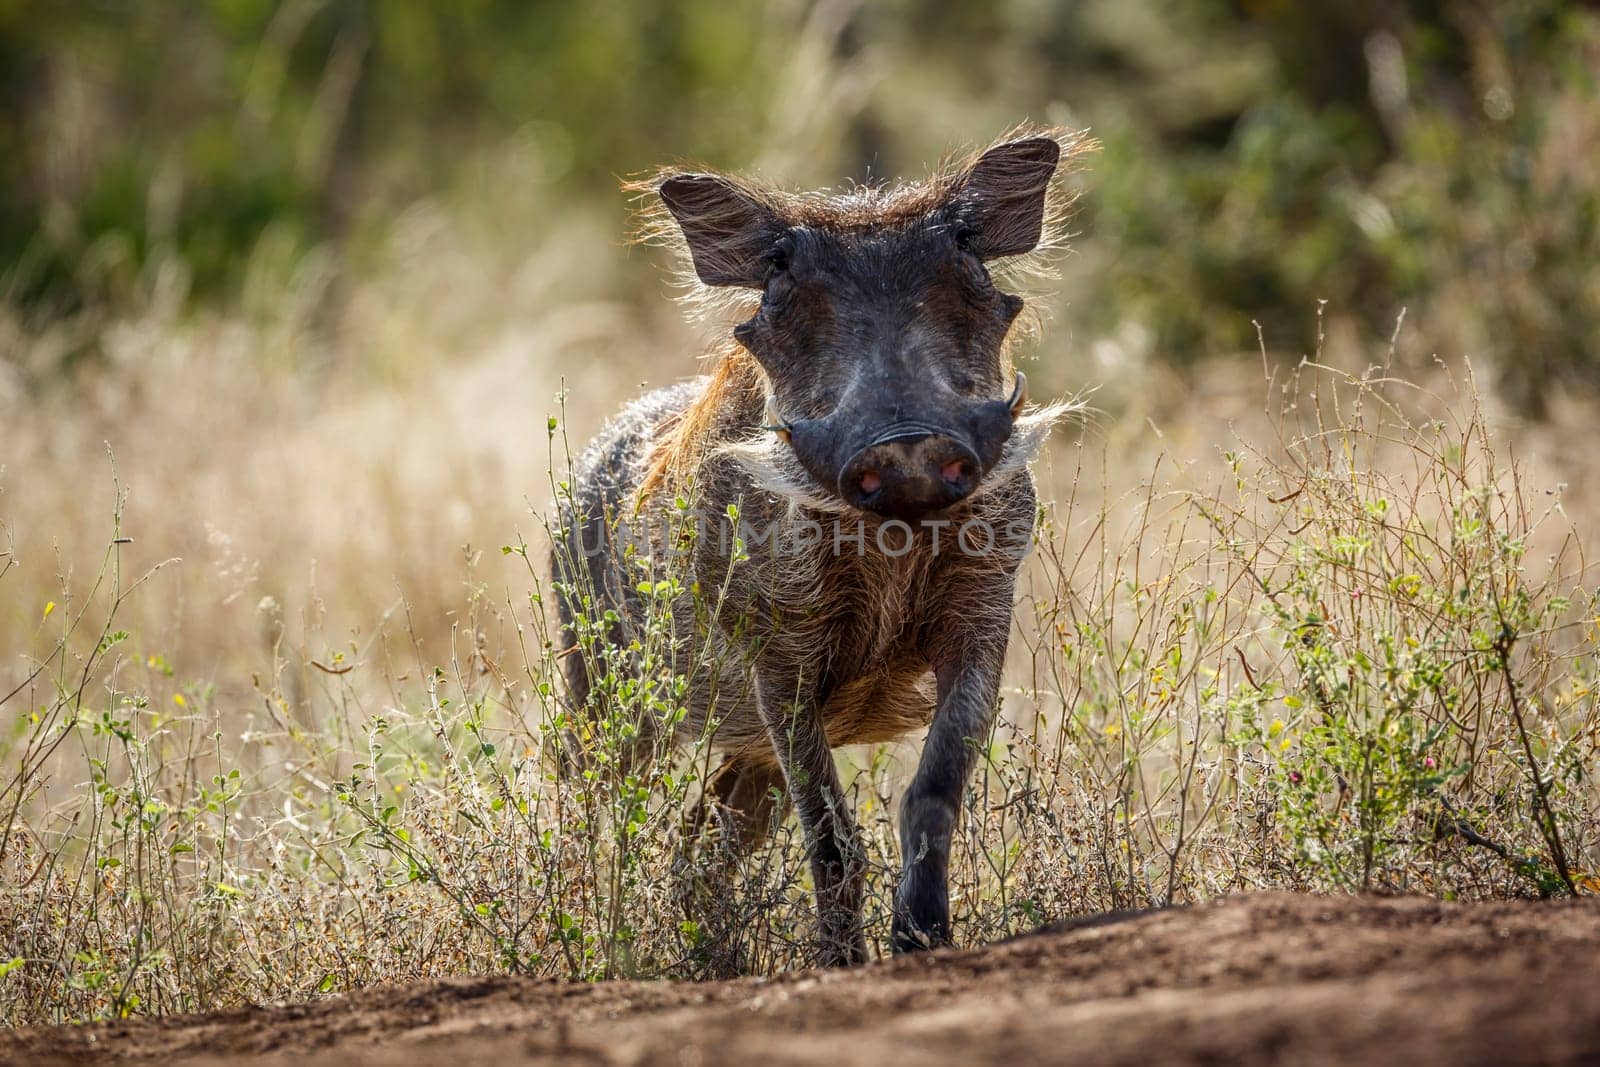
x=1028 y=435
x=772 y=465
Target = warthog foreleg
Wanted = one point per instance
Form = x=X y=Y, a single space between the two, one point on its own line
x=790 y=710
x=969 y=686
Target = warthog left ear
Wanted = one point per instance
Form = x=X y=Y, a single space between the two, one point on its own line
x=1001 y=200
x=729 y=230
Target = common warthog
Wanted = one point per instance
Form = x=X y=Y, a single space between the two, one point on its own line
x=872 y=438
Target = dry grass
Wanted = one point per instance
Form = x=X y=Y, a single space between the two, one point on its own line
x=1338 y=640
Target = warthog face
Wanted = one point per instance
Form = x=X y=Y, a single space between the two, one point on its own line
x=880 y=333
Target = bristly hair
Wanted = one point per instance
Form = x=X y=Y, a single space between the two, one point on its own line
x=734 y=375
x=734 y=380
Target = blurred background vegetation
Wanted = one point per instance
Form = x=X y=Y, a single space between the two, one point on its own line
x=1259 y=156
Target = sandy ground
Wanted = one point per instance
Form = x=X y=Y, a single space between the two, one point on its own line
x=1269 y=978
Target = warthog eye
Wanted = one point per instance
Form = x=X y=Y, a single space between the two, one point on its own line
x=777 y=284
x=966 y=237
x=778 y=258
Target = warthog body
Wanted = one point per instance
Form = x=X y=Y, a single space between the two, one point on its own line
x=869 y=433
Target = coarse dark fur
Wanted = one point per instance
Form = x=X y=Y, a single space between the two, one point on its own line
x=869 y=389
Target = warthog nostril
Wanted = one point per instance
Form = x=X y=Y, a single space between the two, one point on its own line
x=954 y=471
x=870 y=481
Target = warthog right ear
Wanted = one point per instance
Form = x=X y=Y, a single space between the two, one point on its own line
x=1002 y=198
x=729 y=230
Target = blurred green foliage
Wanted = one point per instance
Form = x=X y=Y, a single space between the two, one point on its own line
x=1259 y=156
x=197 y=126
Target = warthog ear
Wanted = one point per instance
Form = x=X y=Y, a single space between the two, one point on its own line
x=729 y=230
x=1001 y=200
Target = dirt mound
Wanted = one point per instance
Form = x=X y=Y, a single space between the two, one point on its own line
x=1255 y=979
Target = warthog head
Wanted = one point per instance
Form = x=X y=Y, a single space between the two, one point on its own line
x=879 y=329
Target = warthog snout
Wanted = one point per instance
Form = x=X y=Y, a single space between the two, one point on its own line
x=913 y=468
x=910 y=474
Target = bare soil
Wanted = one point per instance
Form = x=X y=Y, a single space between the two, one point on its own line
x=1267 y=978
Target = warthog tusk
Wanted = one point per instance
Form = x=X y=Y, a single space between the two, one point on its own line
x=776 y=424
x=1019 y=395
